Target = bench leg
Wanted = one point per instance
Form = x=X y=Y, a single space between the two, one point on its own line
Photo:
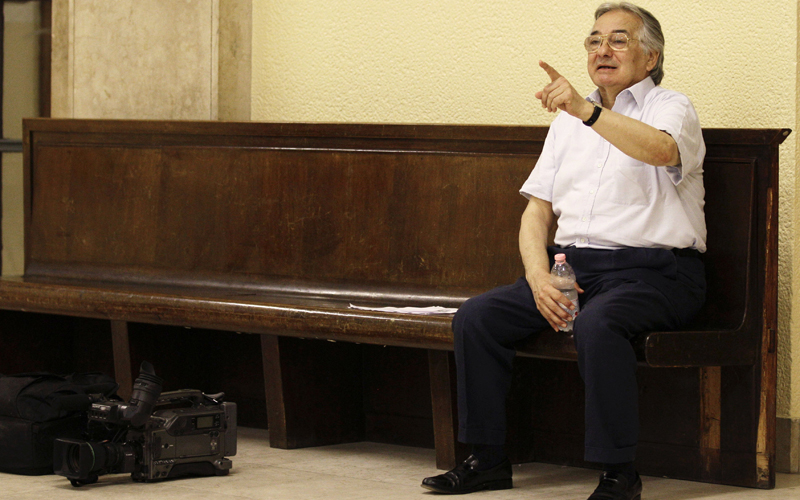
x=710 y=418
x=449 y=451
x=273 y=386
x=122 y=358
x=314 y=392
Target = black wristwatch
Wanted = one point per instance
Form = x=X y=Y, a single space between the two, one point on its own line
x=595 y=116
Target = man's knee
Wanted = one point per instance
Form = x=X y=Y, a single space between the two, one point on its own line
x=594 y=328
x=470 y=317
x=602 y=344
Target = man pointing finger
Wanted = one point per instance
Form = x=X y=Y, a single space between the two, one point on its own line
x=560 y=94
x=620 y=177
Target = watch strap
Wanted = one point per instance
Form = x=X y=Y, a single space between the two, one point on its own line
x=594 y=117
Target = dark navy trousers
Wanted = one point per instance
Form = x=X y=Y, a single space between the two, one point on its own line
x=627 y=292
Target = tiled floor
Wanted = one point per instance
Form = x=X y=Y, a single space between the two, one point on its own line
x=358 y=471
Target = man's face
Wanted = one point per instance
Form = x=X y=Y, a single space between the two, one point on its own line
x=613 y=70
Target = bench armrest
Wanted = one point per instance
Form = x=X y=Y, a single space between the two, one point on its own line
x=664 y=349
x=697 y=348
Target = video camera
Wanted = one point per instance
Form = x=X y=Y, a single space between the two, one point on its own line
x=153 y=436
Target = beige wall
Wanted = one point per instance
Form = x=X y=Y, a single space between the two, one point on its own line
x=456 y=61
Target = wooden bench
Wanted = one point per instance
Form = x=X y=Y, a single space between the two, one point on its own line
x=274 y=229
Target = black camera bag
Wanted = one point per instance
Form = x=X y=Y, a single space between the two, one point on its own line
x=37 y=408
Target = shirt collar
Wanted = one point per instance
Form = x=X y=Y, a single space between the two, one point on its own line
x=638 y=91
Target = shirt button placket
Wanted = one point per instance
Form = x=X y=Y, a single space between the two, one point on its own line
x=587 y=215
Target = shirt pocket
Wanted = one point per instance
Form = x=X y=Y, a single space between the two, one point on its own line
x=631 y=183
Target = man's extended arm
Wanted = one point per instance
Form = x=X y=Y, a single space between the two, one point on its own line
x=534 y=231
x=636 y=139
x=633 y=137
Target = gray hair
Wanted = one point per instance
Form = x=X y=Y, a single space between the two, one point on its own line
x=650 y=36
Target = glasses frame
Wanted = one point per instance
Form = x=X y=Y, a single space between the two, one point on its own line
x=604 y=38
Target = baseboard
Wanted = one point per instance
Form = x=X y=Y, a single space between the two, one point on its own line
x=788 y=446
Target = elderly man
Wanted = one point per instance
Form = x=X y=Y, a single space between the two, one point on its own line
x=621 y=177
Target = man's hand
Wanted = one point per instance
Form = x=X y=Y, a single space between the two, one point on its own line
x=560 y=94
x=537 y=221
x=549 y=299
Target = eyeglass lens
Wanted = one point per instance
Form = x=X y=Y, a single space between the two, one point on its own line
x=617 y=41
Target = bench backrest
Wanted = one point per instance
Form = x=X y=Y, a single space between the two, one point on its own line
x=306 y=205
x=741 y=182
x=217 y=203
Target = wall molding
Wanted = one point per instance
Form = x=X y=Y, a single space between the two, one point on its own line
x=149 y=59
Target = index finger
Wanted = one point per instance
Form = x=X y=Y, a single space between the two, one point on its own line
x=551 y=72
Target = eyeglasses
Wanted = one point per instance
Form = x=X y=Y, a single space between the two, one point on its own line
x=617 y=41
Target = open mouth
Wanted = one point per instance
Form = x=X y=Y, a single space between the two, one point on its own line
x=605 y=66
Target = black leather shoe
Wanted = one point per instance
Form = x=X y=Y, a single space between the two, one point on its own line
x=614 y=486
x=466 y=479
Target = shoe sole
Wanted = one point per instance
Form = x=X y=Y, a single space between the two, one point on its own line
x=501 y=484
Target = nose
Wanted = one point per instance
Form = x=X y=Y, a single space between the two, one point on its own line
x=605 y=48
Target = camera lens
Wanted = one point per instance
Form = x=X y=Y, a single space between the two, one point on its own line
x=83 y=459
x=74 y=459
x=111 y=456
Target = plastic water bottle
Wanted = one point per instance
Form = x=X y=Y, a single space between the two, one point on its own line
x=562 y=277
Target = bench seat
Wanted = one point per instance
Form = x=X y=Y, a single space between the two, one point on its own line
x=308 y=310
x=314 y=310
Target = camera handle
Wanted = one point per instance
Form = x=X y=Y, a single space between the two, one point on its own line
x=189 y=396
x=215 y=398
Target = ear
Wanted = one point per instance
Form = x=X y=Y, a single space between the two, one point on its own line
x=652 y=60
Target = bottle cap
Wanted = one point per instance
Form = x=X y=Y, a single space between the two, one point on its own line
x=560 y=257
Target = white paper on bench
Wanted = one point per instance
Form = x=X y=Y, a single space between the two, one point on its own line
x=430 y=311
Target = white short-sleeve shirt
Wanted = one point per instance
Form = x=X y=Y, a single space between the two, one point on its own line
x=604 y=199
